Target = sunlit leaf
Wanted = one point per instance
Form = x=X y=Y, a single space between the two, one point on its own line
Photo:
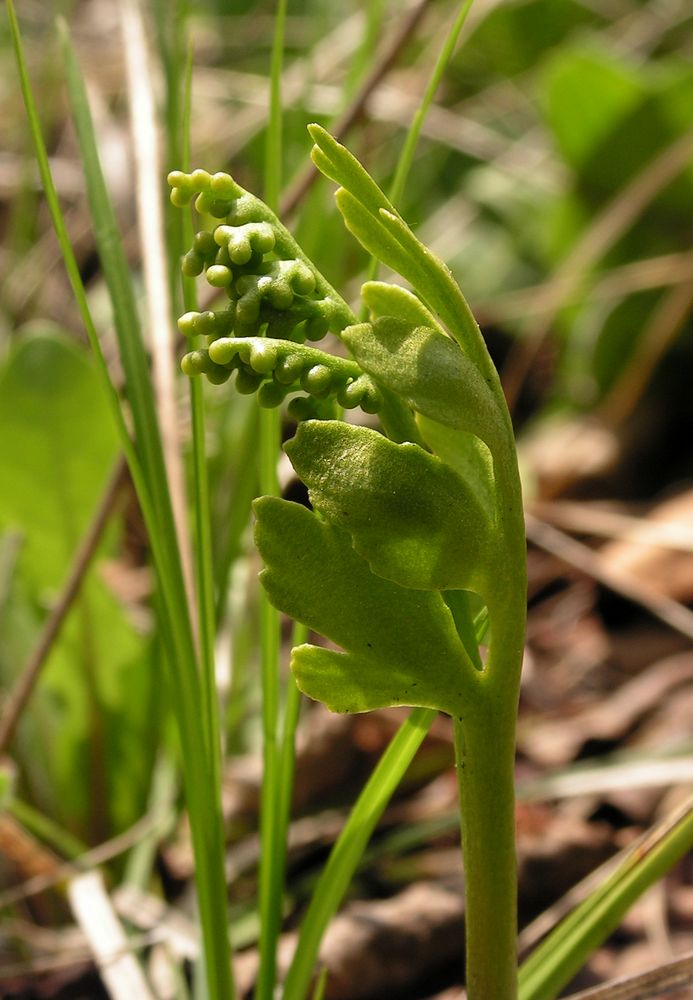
x=402 y=645
x=466 y=454
x=386 y=299
x=430 y=371
x=58 y=444
x=411 y=516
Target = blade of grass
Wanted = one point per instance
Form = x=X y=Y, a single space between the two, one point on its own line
x=204 y=563
x=272 y=837
x=406 y=157
x=176 y=626
x=70 y=261
x=673 y=975
x=345 y=855
x=150 y=225
x=560 y=955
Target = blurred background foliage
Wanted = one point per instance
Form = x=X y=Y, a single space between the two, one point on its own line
x=554 y=175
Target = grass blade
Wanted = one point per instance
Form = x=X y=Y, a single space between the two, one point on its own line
x=202 y=795
x=337 y=873
x=560 y=955
x=274 y=803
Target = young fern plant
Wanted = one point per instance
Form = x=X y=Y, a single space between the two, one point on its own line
x=410 y=533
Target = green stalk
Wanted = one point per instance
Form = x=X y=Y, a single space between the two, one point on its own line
x=273 y=853
x=485 y=759
x=336 y=875
x=271 y=878
x=406 y=156
x=292 y=711
x=204 y=562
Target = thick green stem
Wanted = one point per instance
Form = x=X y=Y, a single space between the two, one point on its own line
x=485 y=755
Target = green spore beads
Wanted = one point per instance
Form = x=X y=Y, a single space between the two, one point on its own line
x=242 y=242
x=200 y=179
x=216 y=207
x=270 y=394
x=206 y=324
x=301 y=408
x=192 y=264
x=219 y=276
x=215 y=194
x=263 y=357
x=351 y=395
x=246 y=208
x=217 y=375
x=372 y=401
x=194 y=363
x=247 y=381
x=186 y=324
x=200 y=363
x=204 y=245
x=284 y=324
x=222 y=257
x=224 y=187
x=317 y=381
x=278 y=291
x=289 y=369
x=299 y=276
x=223 y=350
x=182 y=188
x=316 y=327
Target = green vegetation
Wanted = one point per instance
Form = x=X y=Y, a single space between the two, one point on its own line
x=547 y=180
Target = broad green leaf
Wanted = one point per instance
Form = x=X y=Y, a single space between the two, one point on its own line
x=465 y=606
x=430 y=371
x=409 y=515
x=466 y=454
x=439 y=288
x=386 y=299
x=402 y=645
x=587 y=92
x=58 y=444
x=388 y=238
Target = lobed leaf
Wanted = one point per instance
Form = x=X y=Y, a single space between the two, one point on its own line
x=430 y=371
x=466 y=454
x=409 y=515
x=386 y=299
x=401 y=645
x=373 y=220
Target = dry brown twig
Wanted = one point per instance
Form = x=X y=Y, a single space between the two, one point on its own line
x=665 y=978
x=587 y=561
